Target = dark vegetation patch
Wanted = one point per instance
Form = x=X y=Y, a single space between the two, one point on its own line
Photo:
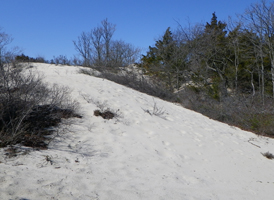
x=141 y=85
x=30 y=110
x=42 y=119
x=105 y=114
x=37 y=126
x=244 y=111
x=136 y=81
x=268 y=155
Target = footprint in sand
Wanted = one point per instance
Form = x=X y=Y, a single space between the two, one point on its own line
x=219 y=143
x=198 y=134
x=166 y=143
x=151 y=133
x=183 y=132
x=169 y=119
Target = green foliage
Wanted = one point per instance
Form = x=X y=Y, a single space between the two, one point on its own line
x=165 y=47
x=161 y=53
x=228 y=74
x=165 y=61
x=24 y=58
x=216 y=28
x=213 y=91
x=262 y=123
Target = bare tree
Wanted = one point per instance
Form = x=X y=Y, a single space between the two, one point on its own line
x=234 y=44
x=122 y=54
x=98 y=49
x=61 y=59
x=7 y=55
x=98 y=44
x=108 y=31
x=260 y=20
x=83 y=46
x=5 y=39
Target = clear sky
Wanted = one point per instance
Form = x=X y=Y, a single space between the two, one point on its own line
x=48 y=27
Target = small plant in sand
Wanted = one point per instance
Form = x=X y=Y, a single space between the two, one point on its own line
x=106 y=114
x=268 y=155
x=103 y=108
x=156 y=110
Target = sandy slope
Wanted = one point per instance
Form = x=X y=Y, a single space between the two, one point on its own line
x=177 y=155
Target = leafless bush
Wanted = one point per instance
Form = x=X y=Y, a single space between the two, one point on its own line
x=140 y=83
x=102 y=105
x=104 y=109
x=61 y=59
x=134 y=80
x=156 y=110
x=90 y=72
x=246 y=112
x=29 y=108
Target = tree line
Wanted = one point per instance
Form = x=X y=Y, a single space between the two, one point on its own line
x=220 y=58
x=234 y=57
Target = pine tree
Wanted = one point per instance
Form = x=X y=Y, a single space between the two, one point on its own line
x=162 y=60
x=216 y=55
x=165 y=47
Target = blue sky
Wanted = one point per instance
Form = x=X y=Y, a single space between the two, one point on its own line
x=48 y=27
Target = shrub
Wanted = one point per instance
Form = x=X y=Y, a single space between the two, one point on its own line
x=135 y=80
x=268 y=155
x=246 y=112
x=105 y=115
x=24 y=58
x=29 y=108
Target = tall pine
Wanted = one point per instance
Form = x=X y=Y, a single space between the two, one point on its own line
x=159 y=60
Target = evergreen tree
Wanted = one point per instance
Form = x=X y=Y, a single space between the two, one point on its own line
x=216 y=55
x=164 y=61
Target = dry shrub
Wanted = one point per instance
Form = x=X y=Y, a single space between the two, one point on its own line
x=268 y=155
x=246 y=112
x=135 y=81
x=105 y=114
x=29 y=108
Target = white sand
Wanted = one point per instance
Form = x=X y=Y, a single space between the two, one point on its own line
x=177 y=155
